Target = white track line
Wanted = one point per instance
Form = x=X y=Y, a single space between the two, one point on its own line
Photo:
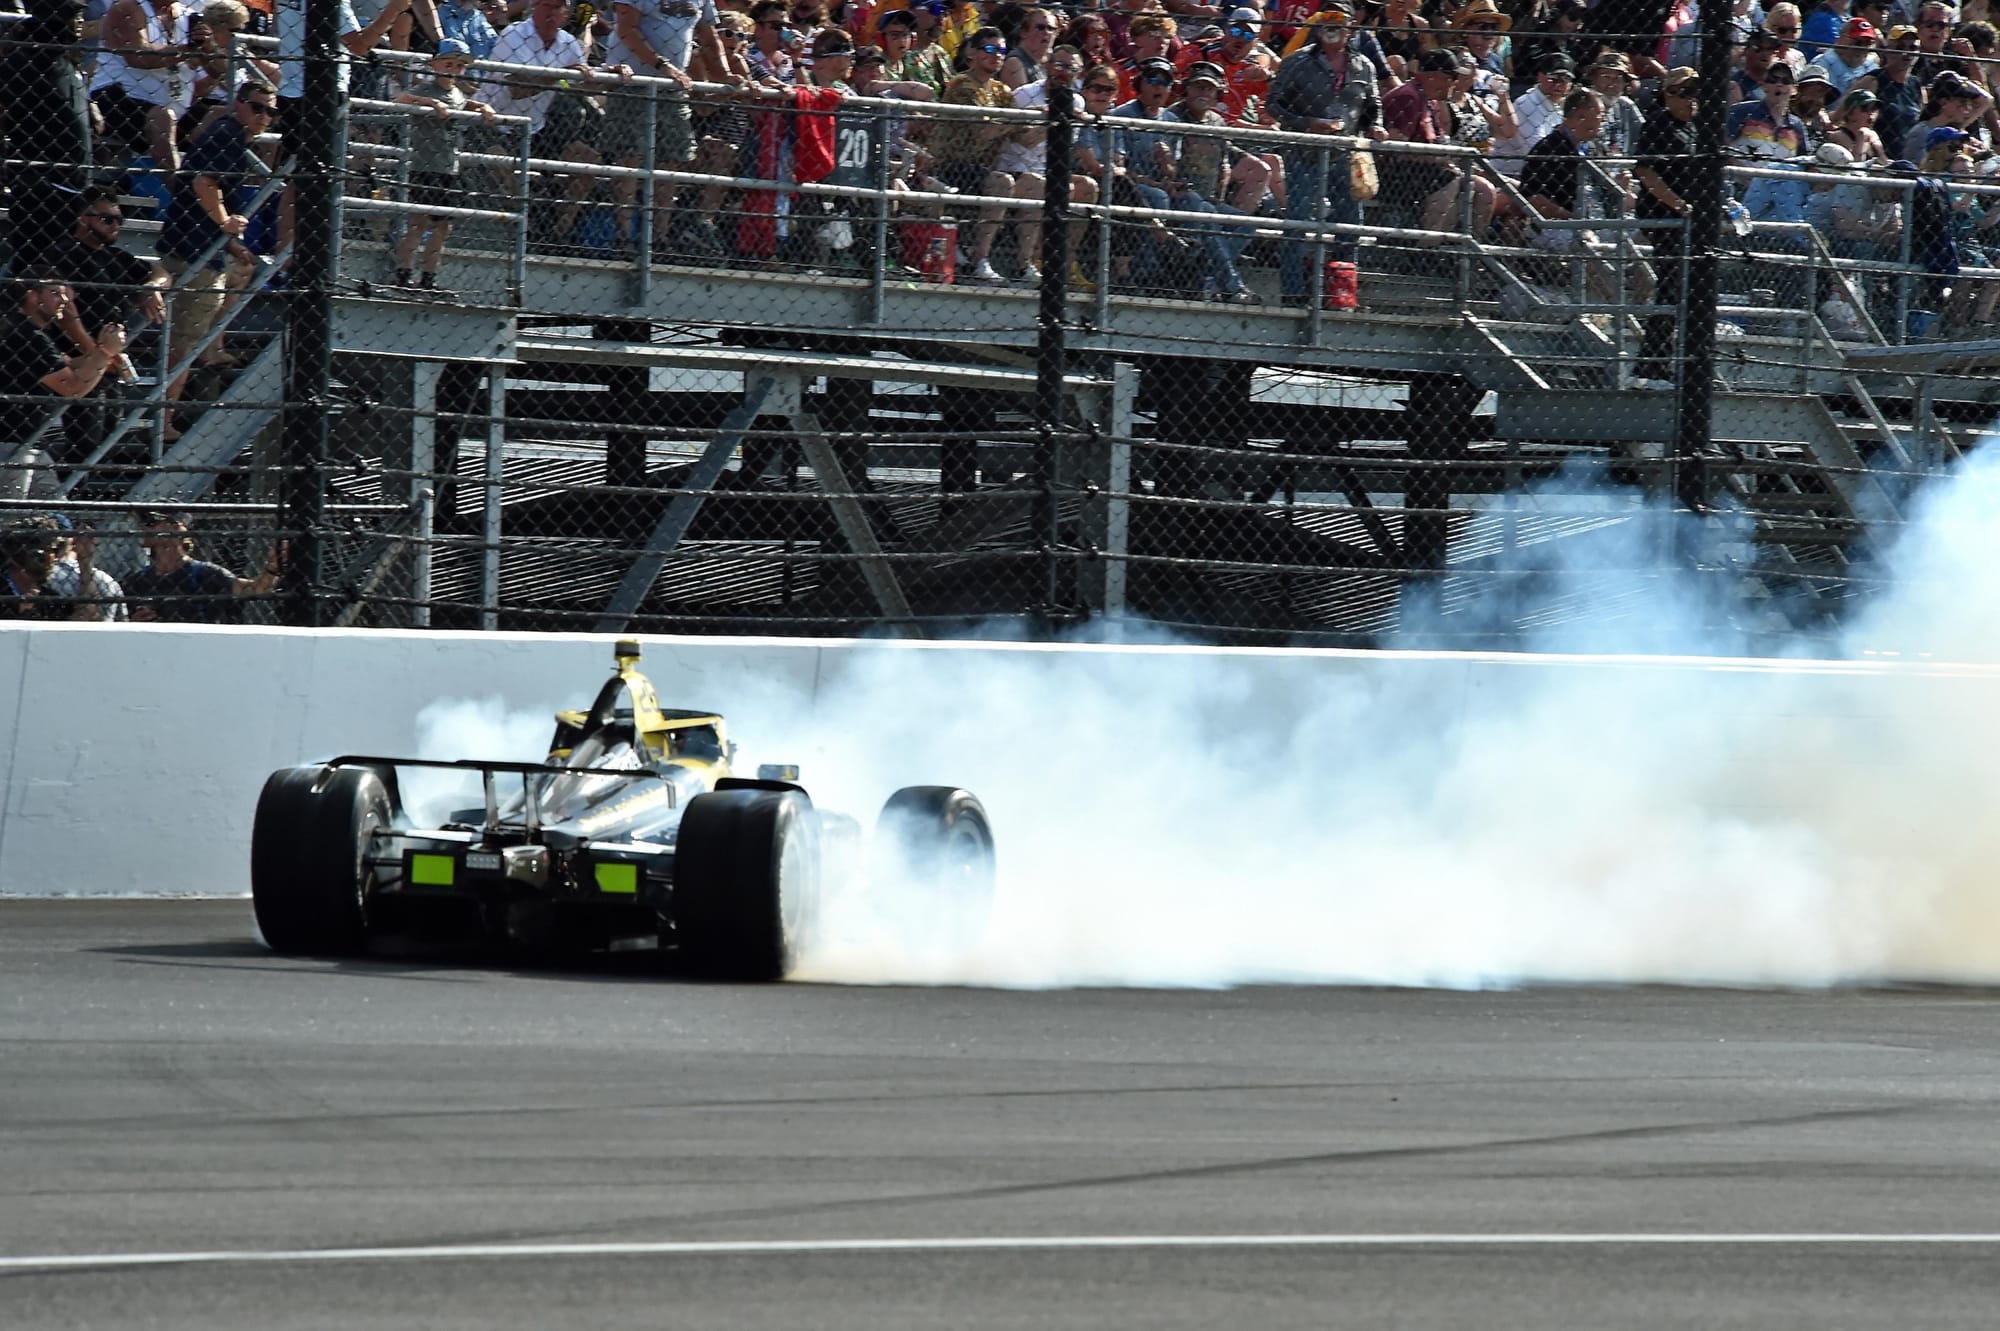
x=1050 y=1243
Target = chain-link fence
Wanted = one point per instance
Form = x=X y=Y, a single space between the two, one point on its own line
x=1301 y=326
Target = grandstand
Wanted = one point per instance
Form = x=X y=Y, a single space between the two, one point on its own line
x=615 y=424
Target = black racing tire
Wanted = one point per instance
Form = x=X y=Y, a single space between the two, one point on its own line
x=934 y=847
x=746 y=882
x=307 y=881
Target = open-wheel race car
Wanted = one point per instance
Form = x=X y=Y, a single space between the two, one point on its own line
x=634 y=830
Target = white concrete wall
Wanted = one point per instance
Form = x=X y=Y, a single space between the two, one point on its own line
x=132 y=756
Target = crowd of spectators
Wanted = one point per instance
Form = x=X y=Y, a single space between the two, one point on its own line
x=177 y=94
x=49 y=565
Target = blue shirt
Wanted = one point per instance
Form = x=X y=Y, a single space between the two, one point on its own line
x=469 y=26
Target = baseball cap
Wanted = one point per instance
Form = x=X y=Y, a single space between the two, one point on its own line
x=1833 y=156
x=833 y=41
x=1944 y=134
x=1860 y=97
x=1557 y=63
x=1860 y=27
x=1681 y=75
x=452 y=48
x=1205 y=71
x=1245 y=15
x=1158 y=65
x=1779 y=72
x=868 y=55
x=1902 y=32
x=901 y=17
x=1437 y=62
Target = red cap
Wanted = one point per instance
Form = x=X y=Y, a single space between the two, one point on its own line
x=1861 y=27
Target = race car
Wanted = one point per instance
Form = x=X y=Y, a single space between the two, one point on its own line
x=634 y=830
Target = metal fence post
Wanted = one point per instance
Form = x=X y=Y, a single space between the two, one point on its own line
x=1049 y=346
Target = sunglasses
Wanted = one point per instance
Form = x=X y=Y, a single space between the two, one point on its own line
x=1933 y=25
x=261 y=108
x=992 y=50
x=1482 y=27
x=116 y=219
x=1159 y=80
x=1560 y=77
x=1105 y=88
x=1685 y=90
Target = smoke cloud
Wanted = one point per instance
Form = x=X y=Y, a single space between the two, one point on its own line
x=1169 y=816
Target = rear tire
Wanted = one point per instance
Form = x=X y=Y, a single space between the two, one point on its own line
x=307 y=881
x=746 y=882
x=934 y=854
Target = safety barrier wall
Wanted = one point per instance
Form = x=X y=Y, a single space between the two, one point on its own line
x=133 y=757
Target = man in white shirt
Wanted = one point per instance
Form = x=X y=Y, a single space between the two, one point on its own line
x=565 y=121
x=1536 y=113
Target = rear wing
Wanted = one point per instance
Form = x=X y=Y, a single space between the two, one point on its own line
x=530 y=788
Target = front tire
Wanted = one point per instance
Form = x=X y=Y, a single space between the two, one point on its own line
x=307 y=880
x=934 y=855
x=746 y=881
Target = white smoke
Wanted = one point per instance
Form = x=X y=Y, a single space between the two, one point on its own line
x=1181 y=817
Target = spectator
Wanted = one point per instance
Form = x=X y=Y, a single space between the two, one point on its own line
x=1852 y=58
x=1668 y=176
x=1482 y=27
x=1536 y=112
x=1418 y=112
x=219 y=66
x=1782 y=21
x=968 y=151
x=27 y=556
x=1810 y=96
x=1896 y=85
x=1560 y=188
x=657 y=38
x=94 y=595
x=200 y=218
x=1955 y=103
x=773 y=44
x=1202 y=174
x=143 y=84
x=1767 y=128
x=1321 y=89
x=1090 y=35
x=463 y=21
x=1152 y=39
x=1561 y=32
x=173 y=587
x=356 y=40
x=1867 y=220
x=1094 y=155
x=1026 y=62
x=563 y=120
x=46 y=113
x=1611 y=78
x=33 y=364
x=1854 y=127
x=902 y=62
x=1938 y=52
x=1245 y=62
x=112 y=286
x=1823 y=27
x=435 y=139
x=1760 y=52
x=1148 y=156
x=1974 y=219
x=909 y=43
x=1024 y=156
x=1404 y=34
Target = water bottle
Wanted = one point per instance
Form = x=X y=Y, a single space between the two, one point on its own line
x=1739 y=217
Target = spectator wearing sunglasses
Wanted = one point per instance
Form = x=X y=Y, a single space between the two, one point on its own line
x=1782 y=22
x=1323 y=88
x=1536 y=113
x=1027 y=62
x=112 y=285
x=1245 y=63
x=28 y=550
x=1151 y=37
x=968 y=151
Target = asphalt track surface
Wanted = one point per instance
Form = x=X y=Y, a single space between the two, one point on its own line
x=196 y=1133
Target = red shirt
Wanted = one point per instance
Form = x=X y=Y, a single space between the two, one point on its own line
x=1407 y=112
x=1243 y=78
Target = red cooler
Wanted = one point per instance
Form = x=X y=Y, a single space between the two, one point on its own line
x=1343 y=285
x=931 y=248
